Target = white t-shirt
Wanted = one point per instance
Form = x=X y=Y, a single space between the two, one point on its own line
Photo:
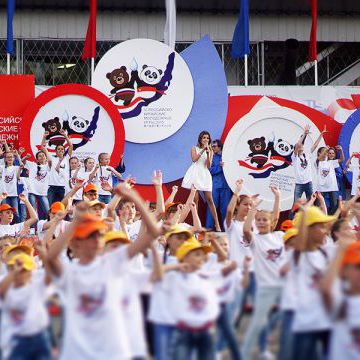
x=133 y=284
x=160 y=311
x=104 y=175
x=24 y=308
x=355 y=169
x=302 y=167
x=11 y=230
x=326 y=176
x=310 y=313
x=133 y=230
x=343 y=344
x=60 y=228
x=238 y=247
x=94 y=322
x=62 y=177
x=194 y=299
x=288 y=296
x=38 y=181
x=269 y=257
x=9 y=180
x=72 y=182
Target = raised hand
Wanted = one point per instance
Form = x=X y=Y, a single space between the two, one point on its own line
x=106 y=186
x=324 y=130
x=157 y=179
x=3 y=196
x=238 y=186
x=274 y=189
x=22 y=197
x=307 y=129
x=175 y=189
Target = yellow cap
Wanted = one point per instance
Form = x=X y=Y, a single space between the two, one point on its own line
x=116 y=235
x=313 y=216
x=25 y=260
x=96 y=202
x=290 y=234
x=24 y=248
x=190 y=245
x=178 y=229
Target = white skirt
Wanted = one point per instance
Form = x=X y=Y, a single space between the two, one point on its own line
x=199 y=176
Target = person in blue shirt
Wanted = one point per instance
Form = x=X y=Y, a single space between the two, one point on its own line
x=221 y=191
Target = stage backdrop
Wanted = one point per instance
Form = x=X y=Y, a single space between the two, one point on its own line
x=17 y=92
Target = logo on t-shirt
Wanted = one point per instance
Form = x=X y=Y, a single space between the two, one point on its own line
x=197 y=303
x=41 y=175
x=17 y=316
x=325 y=172
x=273 y=254
x=90 y=303
x=9 y=178
x=224 y=289
x=316 y=278
x=303 y=161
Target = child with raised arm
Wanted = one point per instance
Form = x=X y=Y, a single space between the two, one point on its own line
x=269 y=255
x=312 y=324
x=92 y=302
x=38 y=183
x=326 y=177
x=59 y=168
x=353 y=165
x=7 y=215
x=302 y=162
x=24 y=312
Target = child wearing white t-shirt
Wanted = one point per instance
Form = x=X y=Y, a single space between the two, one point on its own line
x=38 y=183
x=24 y=312
x=92 y=300
x=269 y=255
x=301 y=160
x=326 y=177
x=354 y=167
x=312 y=323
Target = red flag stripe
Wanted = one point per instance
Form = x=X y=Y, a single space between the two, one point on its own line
x=89 y=50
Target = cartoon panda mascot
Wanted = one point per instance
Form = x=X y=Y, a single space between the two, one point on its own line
x=80 y=128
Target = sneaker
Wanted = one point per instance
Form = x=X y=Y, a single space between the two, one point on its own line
x=266 y=355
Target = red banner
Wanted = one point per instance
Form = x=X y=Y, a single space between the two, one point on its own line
x=17 y=92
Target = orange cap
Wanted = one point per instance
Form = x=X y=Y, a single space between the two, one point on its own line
x=90 y=187
x=286 y=225
x=169 y=205
x=5 y=207
x=57 y=207
x=89 y=224
x=352 y=254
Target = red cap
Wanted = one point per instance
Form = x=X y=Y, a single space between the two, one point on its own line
x=5 y=207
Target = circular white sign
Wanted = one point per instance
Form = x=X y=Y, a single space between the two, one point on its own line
x=150 y=84
x=86 y=122
x=273 y=131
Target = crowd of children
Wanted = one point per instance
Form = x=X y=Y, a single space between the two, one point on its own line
x=132 y=280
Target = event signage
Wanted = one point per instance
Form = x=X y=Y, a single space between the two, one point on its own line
x=88 y=117
x=259 y=146
x=17 y=92
x=151 y=86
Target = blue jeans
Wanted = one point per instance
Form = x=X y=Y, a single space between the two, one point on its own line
x=34 y=347
x=105 y=198
x=265 y=299
x=55 y=193
x=43 y=202
x=286 y=336
x=266 y=331
x=22 y=212
x=13 y=201
x=331 y=200
x=162 y=341
x=303 y=188
x=184 y=343
x=226 y=332
x=221 y=197
x=306 y=345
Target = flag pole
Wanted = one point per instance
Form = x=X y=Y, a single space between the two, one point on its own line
x=246 y=69
x=92 y=69
x=316 y=73
x=8 y=63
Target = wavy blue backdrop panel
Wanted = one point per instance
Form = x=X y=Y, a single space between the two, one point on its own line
x=209 y=111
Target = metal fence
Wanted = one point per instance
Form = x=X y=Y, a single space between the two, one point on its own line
x=56 y=61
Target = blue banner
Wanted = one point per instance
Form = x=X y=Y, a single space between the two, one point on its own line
x=10 y=16
x=240 y=42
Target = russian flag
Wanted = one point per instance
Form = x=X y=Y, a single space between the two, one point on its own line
x=10 y=36
x=313 y=43
x=89 y=50
x=240 y=42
